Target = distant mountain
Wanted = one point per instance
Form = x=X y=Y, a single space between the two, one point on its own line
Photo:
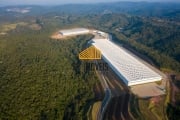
x=134 y=8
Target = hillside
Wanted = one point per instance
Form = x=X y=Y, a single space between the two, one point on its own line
x=42 y=78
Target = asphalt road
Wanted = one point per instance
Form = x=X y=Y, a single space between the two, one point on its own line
x=118 y=106
x=116 y=101
x=115 y=104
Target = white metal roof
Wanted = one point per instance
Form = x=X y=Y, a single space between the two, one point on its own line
x=74 y=30
x=125 y=64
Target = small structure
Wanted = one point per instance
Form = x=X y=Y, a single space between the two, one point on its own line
x=74 y=31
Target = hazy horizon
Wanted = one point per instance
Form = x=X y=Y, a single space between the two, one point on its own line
x=60 y=2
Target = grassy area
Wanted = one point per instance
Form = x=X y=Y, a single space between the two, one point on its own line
x=167 y=99
x=166 y=70
x=156 y=110
x=95 y=109
x=8 y=27
x=35 y=27
x=159 y=82
x=11 y=26
x=151 y=110
x=146 y=113
x=134 y=108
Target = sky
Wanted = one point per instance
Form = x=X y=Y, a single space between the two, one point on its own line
x=56 y=2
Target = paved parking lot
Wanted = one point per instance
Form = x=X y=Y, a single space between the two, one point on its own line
x=149 y=90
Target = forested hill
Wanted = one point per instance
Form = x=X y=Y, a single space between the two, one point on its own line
x=148 y=26
x=169 y=10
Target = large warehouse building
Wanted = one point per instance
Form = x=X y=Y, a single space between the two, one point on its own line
x=74 y=31
x=129 y=68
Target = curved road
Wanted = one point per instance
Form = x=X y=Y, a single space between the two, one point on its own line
x=115 y=104
x=116 y=101
x=118 y=107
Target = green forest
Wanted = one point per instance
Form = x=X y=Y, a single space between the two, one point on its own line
x=41 y=78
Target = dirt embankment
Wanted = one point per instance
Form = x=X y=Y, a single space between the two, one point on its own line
x=175 y=90
x=56 y=35
x=118 y=108
x=98 y=91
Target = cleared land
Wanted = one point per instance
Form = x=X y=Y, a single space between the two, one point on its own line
x=5 y=28
x=95 y=110
x=148 y=90
x=56 y=35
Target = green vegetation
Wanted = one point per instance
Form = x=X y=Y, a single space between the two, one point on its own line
x=134 y=108
x=162 y=48
x=95 y=109
x=173 y=112
x=147 y=109
x=157 y=39
x=152 y=110
x=173 y=108
x=9 y=27
x=42 y=78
